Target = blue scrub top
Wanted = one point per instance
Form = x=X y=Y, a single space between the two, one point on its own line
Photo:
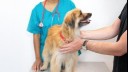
x=36 y=18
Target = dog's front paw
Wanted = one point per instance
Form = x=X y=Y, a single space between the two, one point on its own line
x=43 y=68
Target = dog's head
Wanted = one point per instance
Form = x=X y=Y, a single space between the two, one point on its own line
x=76 y=19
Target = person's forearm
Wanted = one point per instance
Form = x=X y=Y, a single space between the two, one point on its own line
x=102 y=47
x=103 y=33
x=100 y=34
x=36 y=38
x=117 y=49
x=107 y=48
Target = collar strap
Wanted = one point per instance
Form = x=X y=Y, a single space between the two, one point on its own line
x=62 y=37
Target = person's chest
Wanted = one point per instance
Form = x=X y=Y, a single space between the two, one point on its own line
x=52 y=17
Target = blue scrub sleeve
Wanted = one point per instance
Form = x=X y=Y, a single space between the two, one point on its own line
x=72 y=5
x=33 y=26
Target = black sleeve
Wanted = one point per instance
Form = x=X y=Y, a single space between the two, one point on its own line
x=122 y=11
x=120 y=15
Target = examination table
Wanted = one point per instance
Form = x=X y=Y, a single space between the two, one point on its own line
x=91 y=67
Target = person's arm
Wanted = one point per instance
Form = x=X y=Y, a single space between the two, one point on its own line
x=117 y=49
x=36 y=40
x=35 y=30
x=38 y=62
x=103 y=33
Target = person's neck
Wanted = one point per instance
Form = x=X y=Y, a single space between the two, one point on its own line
x=52 y=1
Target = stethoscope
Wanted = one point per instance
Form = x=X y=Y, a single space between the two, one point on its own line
x=56 y=12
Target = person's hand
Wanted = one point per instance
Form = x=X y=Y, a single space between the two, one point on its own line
x=73 y=46
x=37 y=64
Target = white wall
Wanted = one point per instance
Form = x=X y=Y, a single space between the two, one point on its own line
x=104 y=14
x=16 y=48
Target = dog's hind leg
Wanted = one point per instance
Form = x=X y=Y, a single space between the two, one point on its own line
x=55 y=63
x=70 y=64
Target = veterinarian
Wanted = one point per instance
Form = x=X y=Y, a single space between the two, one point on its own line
x=117 y=49
x=45 y=15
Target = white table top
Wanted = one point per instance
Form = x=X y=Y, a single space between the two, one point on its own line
x=91 y=67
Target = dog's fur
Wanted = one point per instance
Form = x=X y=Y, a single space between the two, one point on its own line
x=51 y=52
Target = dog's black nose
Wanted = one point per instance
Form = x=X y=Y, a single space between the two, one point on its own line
x=89 y=14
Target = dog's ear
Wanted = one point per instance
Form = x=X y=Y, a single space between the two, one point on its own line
x=70 y=21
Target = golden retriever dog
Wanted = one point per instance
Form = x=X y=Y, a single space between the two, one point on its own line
x=57 y=36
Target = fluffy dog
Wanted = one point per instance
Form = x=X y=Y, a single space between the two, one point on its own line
x=57 y=36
